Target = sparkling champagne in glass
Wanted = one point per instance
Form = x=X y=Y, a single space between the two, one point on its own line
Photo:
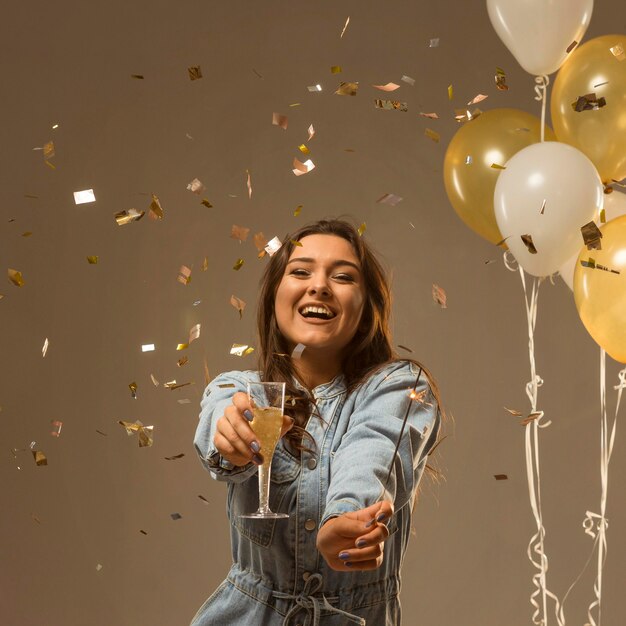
x=268 y=402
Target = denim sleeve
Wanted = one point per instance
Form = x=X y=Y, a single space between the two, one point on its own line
x=217 y=396
x=361 y=463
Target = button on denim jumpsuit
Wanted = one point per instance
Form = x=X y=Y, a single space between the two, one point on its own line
x=278 y=577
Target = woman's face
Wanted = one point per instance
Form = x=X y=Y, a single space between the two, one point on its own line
x=319 y=300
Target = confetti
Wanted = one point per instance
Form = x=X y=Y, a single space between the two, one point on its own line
x=295 y=242
x=143 y=532
x=101 y=433
x=302 y=147
x=405 y=348
x=239 y=349
x=176 y=456
x=48 y=150
x=99 y=567
x=196 y=186
x=543 y=207
x=297 y=351
x=16 y=277
x=618 y=52
x=408 y=80
x=173 y=385
x=133 y=390
x=203 y=498
x=439 y=296
x=147 y=347
x=311 y=132
x=126 y=217
x=259 y=75
x=226 y=386
x=497 y=166
x=389 y=198
x=361 y=229
x=40 y=457
x=431 y=134
x=56 y=428
x=603 y=216
x=44 y=350
x=391 y=105
x=92 y=260
x=531 y=418
x=513 y=412
x=298 y=210
x=314 y=88
x=184 y=275
x=500 y=476
x=527 y=240
x=176 y=516
x=476 y=99
x=591 y=264
x=50 y=165
x=335 y=69
x=194 y=333
x=279 y=120
x=344 y=27
x=238 y=264
x=347 y=89
x=181 y=346
x=295 y=104
x=195 y=73
x=434 y=43
x=387 y=87
x=273 y=246
x=143 y=432
x=450 y=92
x=84 y=197
x=432 y=116
x=137 y=76
x=156 y=210
x=468 y=160
x=302 y=168
x=239 y=304
x=206 y=203
x=155 y=382
x=184 y=401
x=205 y=267
x=35 y=518
x=239 y=232
x=571 y=46
x=500 y=79
x=591 y=236
x=259 y=241
x=588 y=102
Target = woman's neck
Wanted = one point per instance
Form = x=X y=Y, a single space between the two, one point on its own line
x=316 y=369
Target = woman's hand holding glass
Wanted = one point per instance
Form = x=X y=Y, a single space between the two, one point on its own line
x=234 y=439
x=355 y=541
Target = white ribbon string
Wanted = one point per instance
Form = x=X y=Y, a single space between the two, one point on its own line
x=536 y=549
x=541 y=86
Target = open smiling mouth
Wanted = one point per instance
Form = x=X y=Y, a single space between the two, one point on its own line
x=316 y=312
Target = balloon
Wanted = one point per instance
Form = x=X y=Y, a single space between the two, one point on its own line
x=601 y=295
x=492 y=138
x=614 y=206
x=539 y=32
x=600 y=134
x=564 y=183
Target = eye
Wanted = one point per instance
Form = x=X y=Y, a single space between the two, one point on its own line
x=299 y=272
x=346 y=278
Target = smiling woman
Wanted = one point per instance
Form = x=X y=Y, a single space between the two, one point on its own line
x=359 y=424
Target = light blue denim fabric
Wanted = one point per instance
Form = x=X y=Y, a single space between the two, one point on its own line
x=278 y=578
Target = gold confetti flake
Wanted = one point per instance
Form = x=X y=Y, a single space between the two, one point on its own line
x=259 y=241
x=311 y=132
x=181 y=346
x=468 y=159
x=196 y=186
x=126 y=217
x=35 y=518
x=571 y=46
x=314 y=88
x=279 y=120
x=389 y=198
x=434 y=42
x=543 y=207
x=194 y=333
x=92 y=260
x=239 y=232
x=195 y=73
x=347 y=89
x=155 y=382
x=16 y=277
x=205 y=264
x=206 y=203
x=182 y=361
x=527 y=240
x=432 y=134
x=257 y=73
x=476 y=99
x=344 y=27
x=295 y=104
x=387 y=87
x=298 y=210
x=175 y=457
x=176 y=516
x=239 y=305
x=500 y=79
x=144 y=433
x=99 y=566
x=592 y=236
x=44 y=349
x=297 y=351
x=133 y=390
x=450 y=92
x=226 y=385
x=591 y=264
x=361 y=229
x=300 y=168
x=514 y=412
x=497 y=166
x=618 y=52
x=465 y=115
x=184 y=275
x=408 y=80
x=143 y=532
x=240 y=349
x=273 y=246
x=391 y=105
x=137 y=76
x=203 y=499
x=295 y=242
x=173 y=385
x=156 y=210
x=302 y=147
x=40 y=457
x=148 y=347
x=84 y=197
x=500 y=476
x=48 y=150
x=588 y=102
x=603 y=216
x=432 y=116
x=335 y=69
x=439 y=296
x=405 y=348
x=238 y=264
x=56 y=428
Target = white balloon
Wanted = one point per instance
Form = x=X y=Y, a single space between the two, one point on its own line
x=614 y=206
x=563 y=181
x=539 y=32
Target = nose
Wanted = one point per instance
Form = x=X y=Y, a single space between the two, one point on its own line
x=318 y=286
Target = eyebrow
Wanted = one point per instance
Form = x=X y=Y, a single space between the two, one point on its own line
x=306 y=259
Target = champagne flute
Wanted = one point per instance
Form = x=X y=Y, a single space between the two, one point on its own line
x=268 y=402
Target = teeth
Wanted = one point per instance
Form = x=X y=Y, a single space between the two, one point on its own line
x=318 y=310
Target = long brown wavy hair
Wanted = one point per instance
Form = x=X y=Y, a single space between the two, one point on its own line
x=370 y=349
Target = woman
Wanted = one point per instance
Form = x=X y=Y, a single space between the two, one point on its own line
x=336 y=471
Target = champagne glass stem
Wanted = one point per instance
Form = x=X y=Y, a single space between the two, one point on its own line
x=264 y=488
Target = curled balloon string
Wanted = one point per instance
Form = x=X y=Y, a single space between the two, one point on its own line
x=536 y=548
x=541 y=87
x=510 y=262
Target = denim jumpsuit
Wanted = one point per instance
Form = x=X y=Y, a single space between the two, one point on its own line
x=278 y=577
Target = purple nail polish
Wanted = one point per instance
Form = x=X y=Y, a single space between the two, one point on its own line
x=369 y=524
x=257 y=459
x=343 y=556
x=248 y=415
x=255 y=447
x=361 y=543
x=348 y=564
x=381 y=517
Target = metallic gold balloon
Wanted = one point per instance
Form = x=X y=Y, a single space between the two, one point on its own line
x=477 y=153
x=600 y=133
x=600 y=293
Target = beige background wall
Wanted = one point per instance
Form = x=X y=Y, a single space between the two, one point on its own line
x=70 y=63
